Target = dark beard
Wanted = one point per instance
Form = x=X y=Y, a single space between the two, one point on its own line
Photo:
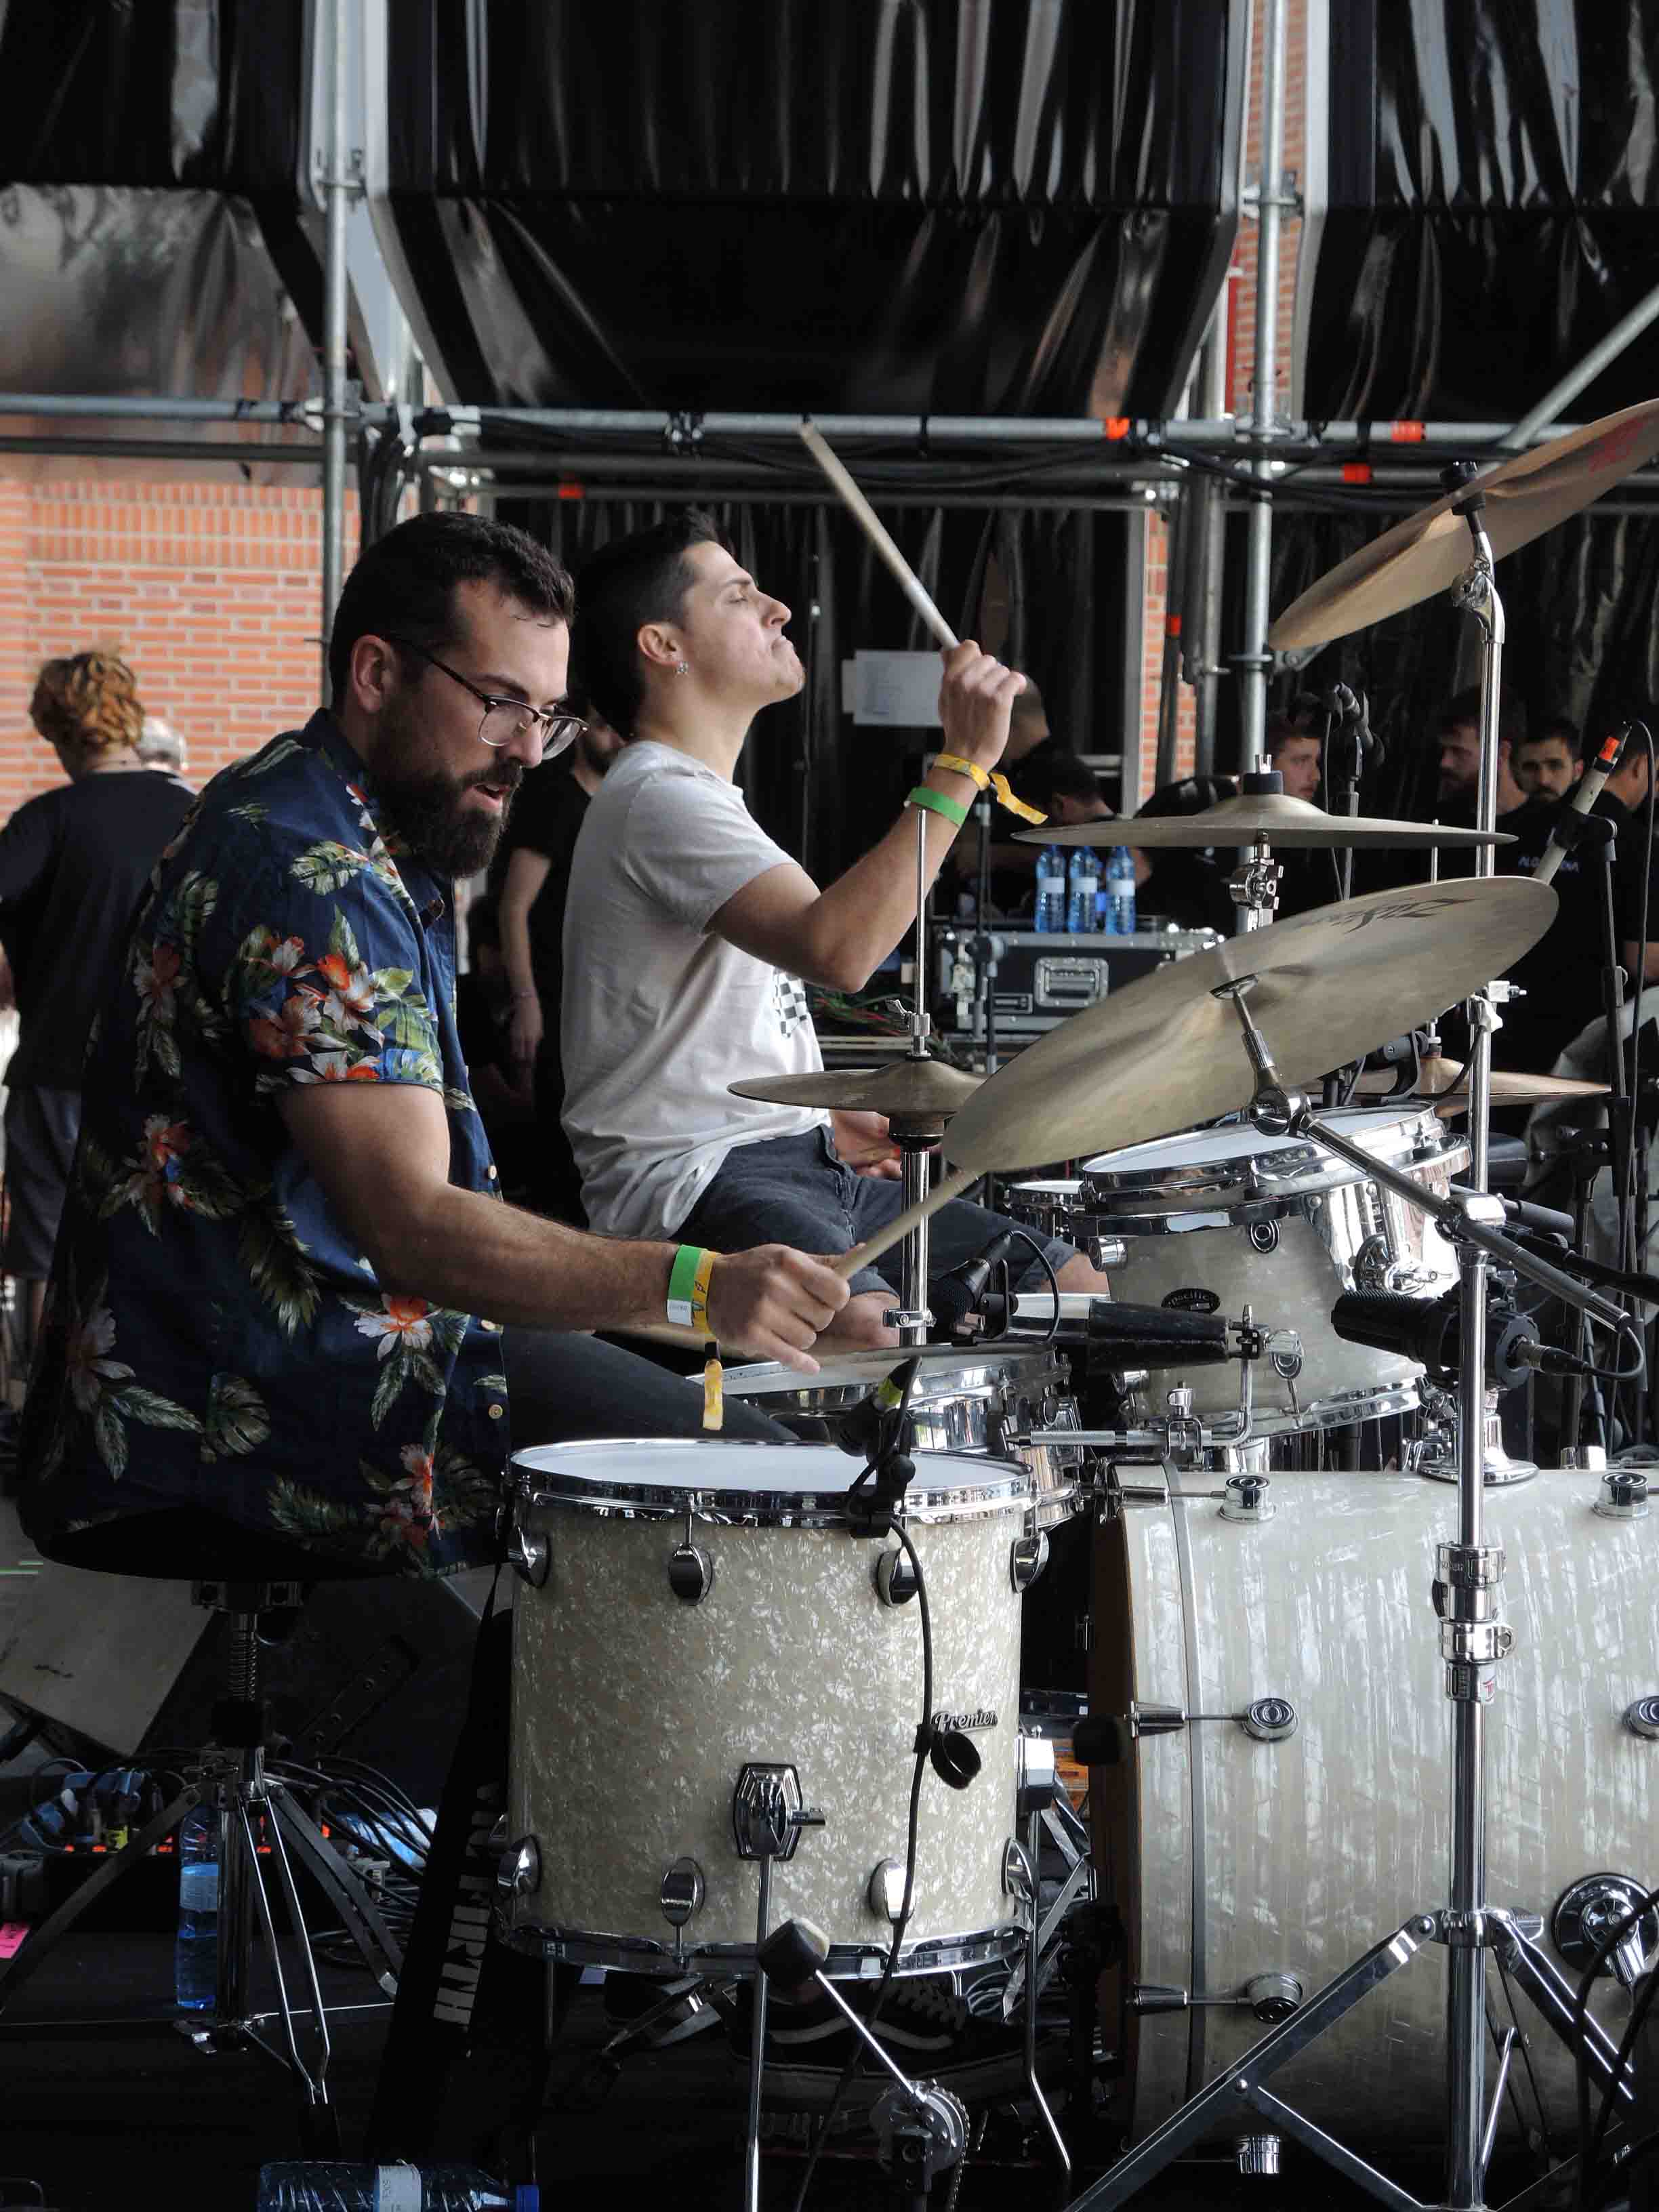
x=426 y=812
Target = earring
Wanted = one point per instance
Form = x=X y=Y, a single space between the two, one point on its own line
x=682 y=668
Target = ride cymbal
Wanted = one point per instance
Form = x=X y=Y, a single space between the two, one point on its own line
x=1290 y=824
x=1525 y=496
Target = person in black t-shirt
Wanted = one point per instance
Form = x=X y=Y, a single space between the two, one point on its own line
x=531 y=878
x=72 y=865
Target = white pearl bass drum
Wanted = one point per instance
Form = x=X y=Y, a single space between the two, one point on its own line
x=1301 y=1813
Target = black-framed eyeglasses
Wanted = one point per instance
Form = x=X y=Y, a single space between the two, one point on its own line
x=506 y=719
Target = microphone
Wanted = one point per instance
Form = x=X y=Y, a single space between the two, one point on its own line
x=859 y=1429
x=1591 y=784
x=1428 y=1331
x=960 y=1291
x=1158 y=1336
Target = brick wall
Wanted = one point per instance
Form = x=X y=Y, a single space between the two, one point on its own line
x=1151 y=663
x=1241 y=351
x=210 y=591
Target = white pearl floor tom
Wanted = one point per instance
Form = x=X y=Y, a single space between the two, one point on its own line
x=1233 y=1858
x=1223 y=1218
x=976 y=1403
x=705 y=1609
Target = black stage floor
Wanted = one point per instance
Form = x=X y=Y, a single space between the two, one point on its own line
x=140 y=2120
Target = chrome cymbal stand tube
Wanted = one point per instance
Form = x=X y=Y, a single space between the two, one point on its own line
x=913 y=1318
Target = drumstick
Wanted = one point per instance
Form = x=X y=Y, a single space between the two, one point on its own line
x=901 y=1224
x=909 y=582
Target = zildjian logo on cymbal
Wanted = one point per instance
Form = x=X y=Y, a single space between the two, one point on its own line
x=1412 y=909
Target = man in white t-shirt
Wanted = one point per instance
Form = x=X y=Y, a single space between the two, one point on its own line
x=687 y=928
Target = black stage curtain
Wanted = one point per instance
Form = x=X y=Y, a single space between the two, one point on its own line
x=1017 y=207
x=1493 y=207
x=823 y=788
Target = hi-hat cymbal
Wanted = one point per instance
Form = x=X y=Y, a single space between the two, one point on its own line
x=906 y=1086
x=1427 y=552
x=1165 y=1052
x=1290 y=824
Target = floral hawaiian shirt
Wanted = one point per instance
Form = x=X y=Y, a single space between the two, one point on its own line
x=213 y=1338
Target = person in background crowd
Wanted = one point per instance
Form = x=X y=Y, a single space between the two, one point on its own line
x=1295 y=752
x=1186 y=886
x=1458 y=736
x=1028 y=729
x=501 y=1089
x=160 y=747
x=1064 y=788
x=531 y=878
x=1547 y=761
x=1629 y=787
x=72 y=865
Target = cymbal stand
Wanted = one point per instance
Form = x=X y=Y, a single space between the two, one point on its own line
x=1473 y=1640
x=912 y=1318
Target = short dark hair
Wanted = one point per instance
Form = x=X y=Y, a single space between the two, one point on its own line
x=1465 y=707
x=635 y=580
x=405 y=584
x=1049 y=774
x=1282 y=730
x=1193 y=794
x=1553 y=728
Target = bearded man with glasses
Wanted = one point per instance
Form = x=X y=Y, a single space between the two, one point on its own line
x=286 y=1296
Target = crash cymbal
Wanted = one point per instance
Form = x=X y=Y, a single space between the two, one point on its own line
x=906 y=1086
x=1526 y=495
x=1165 y=1052
x=1292 y=824
x=1441 y=1081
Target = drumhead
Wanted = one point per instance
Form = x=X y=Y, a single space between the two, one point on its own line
x=862 y=1371
x=1222 y=1159
x=737 y=1481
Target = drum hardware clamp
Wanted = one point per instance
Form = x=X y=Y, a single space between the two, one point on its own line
x=1585 y=1916
x=1265 y=1720
x=530 y=1555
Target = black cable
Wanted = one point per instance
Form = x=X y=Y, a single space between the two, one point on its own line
x=1635 y=1258
x=855 y=2056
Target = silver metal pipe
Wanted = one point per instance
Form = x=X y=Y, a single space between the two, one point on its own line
x=1628 y=327
x=336 y=200
x=1253 y=656
x=1201 y=618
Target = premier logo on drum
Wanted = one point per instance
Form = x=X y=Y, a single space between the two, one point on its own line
x=965 y=1724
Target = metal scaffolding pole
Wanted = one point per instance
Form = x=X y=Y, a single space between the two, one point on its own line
x=1254 y=660
x=337 y=199
x=1200 y=627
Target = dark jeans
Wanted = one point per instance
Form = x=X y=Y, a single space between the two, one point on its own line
x=562 y=1387
x=796 y=1190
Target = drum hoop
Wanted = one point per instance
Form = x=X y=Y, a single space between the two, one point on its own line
x=931 y=1954
x=1279 y=1172
x=934 y=1506
x=979 y=1375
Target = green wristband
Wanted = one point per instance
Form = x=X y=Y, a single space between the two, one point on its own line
x=936 y=803
x=682 y=1280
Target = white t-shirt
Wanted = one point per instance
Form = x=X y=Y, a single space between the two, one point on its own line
x=659 y=1017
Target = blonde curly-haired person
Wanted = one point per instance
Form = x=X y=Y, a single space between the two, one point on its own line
x=72 y=864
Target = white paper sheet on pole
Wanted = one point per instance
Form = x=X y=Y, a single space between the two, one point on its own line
x=896 y=690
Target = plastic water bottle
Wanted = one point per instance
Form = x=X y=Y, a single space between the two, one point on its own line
x=1083 y=882
x=1121 y=893
x=336 y=2185
x=1050 y=914
x=196 y=1952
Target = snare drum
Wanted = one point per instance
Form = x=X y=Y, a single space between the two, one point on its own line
x=702 y=1609
x=977 y=1402
x=1228 y=1217
x=1288 y=1851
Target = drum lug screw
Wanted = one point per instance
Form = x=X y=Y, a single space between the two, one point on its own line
x=1027 y=1557
x=1642 y=1718
x=690 y=1574
x=895 y=1577
x=532 y=1556
x=885 y=1892
x=1246 y=1498
x=1272 y=1998
x=520 y=1871
x=1624 y=1495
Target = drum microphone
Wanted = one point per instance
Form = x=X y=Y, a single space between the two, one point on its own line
x=859 y=1431
x=1158 y=1336
x=1591 y=784
x=1428 y=1331
x=959 y=1294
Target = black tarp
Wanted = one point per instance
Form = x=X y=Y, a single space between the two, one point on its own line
x=940 y=206
x=149 y=210
x=1493 y=187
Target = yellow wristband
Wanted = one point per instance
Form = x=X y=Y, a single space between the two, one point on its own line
x=699 y=1290
x=713 y=1389
x=988 y=779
